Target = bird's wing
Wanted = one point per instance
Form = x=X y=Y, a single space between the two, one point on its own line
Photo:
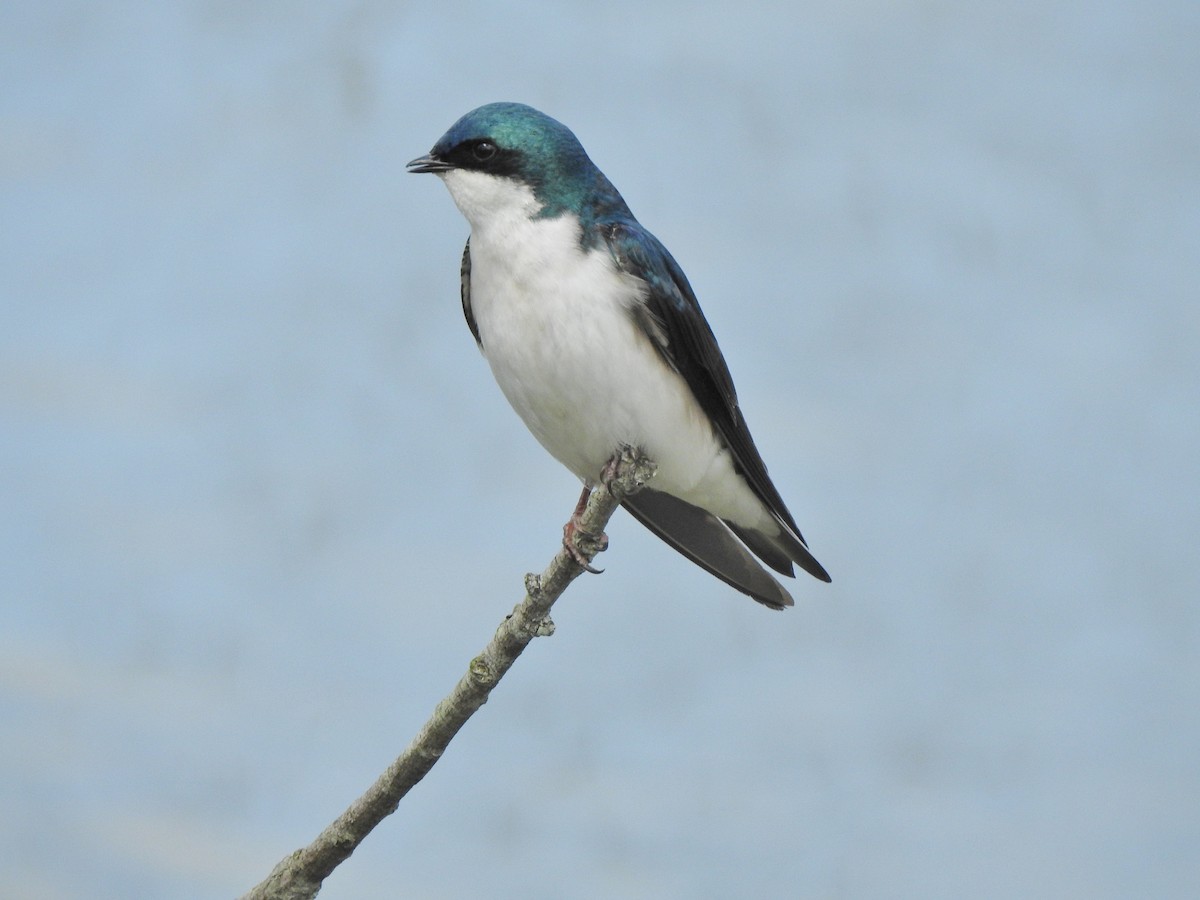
x=464 y=274
x=671 y=318
x=704 y=539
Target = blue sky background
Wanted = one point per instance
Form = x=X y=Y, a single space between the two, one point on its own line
x=261 y=501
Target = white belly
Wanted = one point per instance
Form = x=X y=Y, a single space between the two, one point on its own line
x=556 y=330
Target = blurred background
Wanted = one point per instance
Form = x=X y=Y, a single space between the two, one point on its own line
x=261 y=502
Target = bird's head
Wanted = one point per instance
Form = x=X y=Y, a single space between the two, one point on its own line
x=504 y=158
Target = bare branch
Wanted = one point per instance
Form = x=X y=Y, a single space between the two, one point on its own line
x=300 y=875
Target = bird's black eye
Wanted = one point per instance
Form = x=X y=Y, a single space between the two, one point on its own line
x=483 y=151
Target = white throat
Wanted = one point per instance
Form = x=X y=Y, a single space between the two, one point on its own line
x=487 y=201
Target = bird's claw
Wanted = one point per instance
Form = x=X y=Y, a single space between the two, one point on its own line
x=573 y=535
x=613 y=468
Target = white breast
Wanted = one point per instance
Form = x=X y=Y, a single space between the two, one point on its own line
x=556 y=330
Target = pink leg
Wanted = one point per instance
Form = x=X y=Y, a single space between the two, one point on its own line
x=572 y=529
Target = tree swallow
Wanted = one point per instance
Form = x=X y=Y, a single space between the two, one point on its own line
x=595 y=337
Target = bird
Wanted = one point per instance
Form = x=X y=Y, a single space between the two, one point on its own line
x=598 y=342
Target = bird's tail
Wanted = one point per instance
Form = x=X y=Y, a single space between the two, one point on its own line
x=708 y=542
x=781 y=550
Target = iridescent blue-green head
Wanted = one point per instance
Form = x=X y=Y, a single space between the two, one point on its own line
x=511 y=145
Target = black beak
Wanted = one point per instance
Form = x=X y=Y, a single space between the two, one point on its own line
x=428 y=164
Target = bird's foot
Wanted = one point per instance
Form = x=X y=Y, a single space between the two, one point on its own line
x=575 y=537
x=626 y=471
x=577 y=540
x=612 y=469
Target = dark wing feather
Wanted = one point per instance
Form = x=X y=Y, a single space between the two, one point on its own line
x=704 y=539
x=672 y=319
x=464 y=274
